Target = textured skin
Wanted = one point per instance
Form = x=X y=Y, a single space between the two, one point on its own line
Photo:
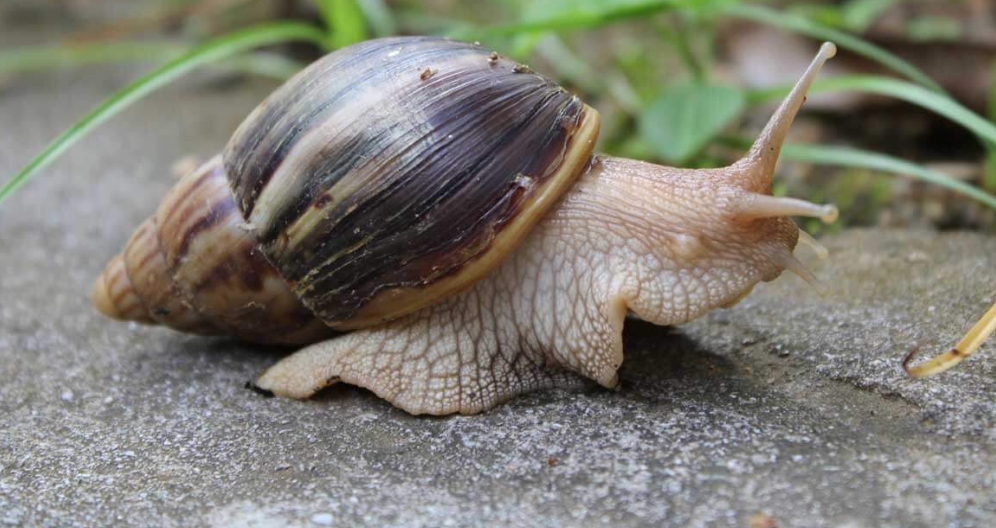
x=664 y=244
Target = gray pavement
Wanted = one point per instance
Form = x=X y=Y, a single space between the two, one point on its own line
x=790 y=404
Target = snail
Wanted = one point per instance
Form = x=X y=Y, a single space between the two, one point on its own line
x=430 y=219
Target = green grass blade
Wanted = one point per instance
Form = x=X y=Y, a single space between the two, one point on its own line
x=344 y=22
x=326 y=12
x=580 y=16
x=215 y=50
x=75 y=55
x=895 y=88
x=601 y=13
x=849 y=157
x=801 y=25
x=35 y=59
x=264 y=64
x=350 y=24
x=379 y=17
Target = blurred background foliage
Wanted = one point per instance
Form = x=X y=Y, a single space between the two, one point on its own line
x=899 y=132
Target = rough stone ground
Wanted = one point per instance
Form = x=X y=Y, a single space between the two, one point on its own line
x=789 y=405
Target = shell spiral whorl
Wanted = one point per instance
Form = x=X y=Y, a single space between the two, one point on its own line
x=377 y=181
x=194 y=267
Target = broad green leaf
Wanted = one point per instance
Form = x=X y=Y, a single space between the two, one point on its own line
x=801 y=25
x=686 y=118
x=212 y=51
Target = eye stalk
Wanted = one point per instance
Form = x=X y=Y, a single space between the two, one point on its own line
x=758 y=166
x=753 y=206
x=755 y=171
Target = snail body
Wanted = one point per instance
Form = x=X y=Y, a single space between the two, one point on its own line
x=444 y=206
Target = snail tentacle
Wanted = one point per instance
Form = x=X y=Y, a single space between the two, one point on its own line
x=821 y=251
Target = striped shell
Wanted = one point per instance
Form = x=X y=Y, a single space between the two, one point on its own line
x=379 y=180
x=193 y=266
x=395 y=172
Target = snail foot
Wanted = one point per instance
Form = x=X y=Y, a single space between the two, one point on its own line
x=418 y=367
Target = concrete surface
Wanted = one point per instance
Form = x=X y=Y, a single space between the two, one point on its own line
x=790 y=405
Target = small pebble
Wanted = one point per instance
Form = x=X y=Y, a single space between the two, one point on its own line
x=67 y=396
x=322 y=519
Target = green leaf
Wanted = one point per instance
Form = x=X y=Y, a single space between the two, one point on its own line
x=683 y=120
x=801 y=25
x=212 y=51
x=909 y=92
x=344 y=22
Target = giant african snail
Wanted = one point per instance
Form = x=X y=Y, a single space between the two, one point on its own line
x=444 y=203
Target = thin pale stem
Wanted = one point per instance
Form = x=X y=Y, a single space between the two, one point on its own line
x=966 y=347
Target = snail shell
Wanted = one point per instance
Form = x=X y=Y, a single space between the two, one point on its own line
x=193 y=266
x=379 y=180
